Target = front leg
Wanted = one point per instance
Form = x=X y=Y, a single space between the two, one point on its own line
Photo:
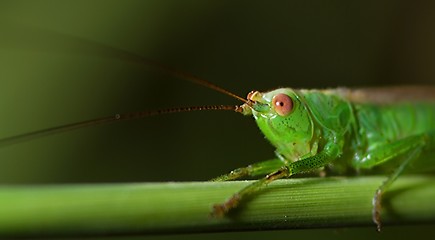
x=329 y=153
x=253 y=170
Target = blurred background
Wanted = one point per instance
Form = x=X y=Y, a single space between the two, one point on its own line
x=60 y=63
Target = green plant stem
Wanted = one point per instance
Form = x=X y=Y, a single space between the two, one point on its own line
x=107 y=209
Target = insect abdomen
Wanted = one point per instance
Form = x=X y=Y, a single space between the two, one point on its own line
x=394 y=122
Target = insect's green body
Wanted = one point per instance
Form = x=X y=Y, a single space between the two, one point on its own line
x=381 y=125
x=339 y=130
x=356 y=129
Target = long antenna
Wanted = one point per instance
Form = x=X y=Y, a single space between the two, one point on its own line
x=132 y=57
x=109 y=119
x=192 y=78
x=76 y=45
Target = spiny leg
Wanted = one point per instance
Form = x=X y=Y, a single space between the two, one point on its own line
x=253 y=170
x=329 y=153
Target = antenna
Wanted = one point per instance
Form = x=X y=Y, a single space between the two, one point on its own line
x=110 y=119
x=74 y=45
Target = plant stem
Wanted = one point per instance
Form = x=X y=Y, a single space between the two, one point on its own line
x=108 y=209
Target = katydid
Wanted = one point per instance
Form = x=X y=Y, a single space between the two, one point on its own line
x=313 y=130
x=339 y=129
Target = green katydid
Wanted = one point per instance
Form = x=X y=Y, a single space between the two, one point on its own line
x=336 y=129
x=341 y=129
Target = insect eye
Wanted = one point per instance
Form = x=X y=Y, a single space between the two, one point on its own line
x=283 y=104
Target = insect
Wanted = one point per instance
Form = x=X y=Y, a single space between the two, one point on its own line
x=340 y=129
x=337 y=130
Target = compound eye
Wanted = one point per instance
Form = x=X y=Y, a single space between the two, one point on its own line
x=283 y=104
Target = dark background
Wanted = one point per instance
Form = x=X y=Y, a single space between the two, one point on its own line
x=50 y=74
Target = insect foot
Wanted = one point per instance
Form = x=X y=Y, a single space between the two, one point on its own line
x=376 y=212
x=220 y=210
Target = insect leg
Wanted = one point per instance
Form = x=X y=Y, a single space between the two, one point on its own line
x=376 y=211
x=409 y=148
x=329 y=153
x=257 y=169
x=220 y=210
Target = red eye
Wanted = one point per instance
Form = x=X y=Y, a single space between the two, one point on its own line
x=283 y=104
